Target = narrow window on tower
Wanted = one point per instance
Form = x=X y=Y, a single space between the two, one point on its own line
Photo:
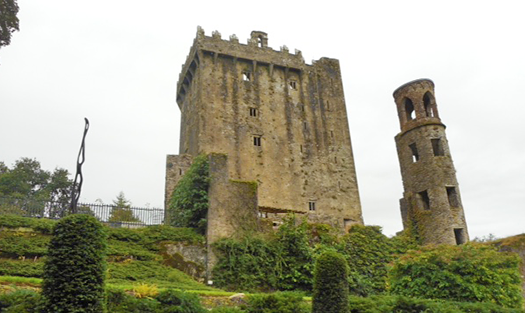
x=311 y=205
x=452 y=194
x=413 y=149
x=409 y=109
x=437 y=146
x=257 y=141
x=427 y=103
x=424 y=200
x=254 y=112
x=293 y=84
x=246 y=76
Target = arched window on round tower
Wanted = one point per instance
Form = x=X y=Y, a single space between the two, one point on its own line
x=409 y=109
x=430 y=105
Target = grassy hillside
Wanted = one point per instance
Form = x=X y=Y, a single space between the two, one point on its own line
x=133 y=254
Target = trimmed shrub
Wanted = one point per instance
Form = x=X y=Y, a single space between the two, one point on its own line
x=74 y=271
x=330 y=284
x=467 y=273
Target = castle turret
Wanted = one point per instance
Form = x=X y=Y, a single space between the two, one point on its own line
x=431 y=205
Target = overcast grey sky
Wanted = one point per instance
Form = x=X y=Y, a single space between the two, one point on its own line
x=117 y=63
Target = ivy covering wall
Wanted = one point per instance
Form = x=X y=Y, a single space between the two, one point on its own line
x=189 y=201
x=378 y=265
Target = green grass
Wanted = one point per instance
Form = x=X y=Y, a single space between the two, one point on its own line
x=134 y=255
x=21 y=280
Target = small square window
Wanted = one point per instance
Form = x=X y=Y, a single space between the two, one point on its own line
x=293 y=84
x=246 y=76
x=311 y=205
x=257 y=141
x=254 y=112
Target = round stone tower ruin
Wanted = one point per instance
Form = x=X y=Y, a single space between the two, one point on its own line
x=431 y=205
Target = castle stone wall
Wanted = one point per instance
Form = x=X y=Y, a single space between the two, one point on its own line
x=282 y=123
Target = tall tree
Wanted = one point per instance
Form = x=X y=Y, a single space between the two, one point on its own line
x=32 y=186
x=8 y=21
x=121 y=211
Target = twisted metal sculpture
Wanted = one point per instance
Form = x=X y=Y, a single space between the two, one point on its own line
x=77 y=187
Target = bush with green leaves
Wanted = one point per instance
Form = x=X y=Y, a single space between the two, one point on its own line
x=278 y=302
x=20 y=301
x=280 y=261
x=74 y=271
x=167 y=301
x=368 y=253
x=402 y=304
x=285 y=260
x=330 y=293
x=468 y=273
x=189 y=201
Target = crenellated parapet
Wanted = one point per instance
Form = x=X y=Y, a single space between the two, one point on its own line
x=256 y=50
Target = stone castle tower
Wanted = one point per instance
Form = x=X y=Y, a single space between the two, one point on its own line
x=431 y=204
x=276 y=121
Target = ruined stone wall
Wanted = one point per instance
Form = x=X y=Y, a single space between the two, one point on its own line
x=282 y=123
x=233 y=208
x=431 y=204
x=176 y=167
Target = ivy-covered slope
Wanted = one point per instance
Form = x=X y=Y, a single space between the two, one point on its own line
x=378 y=265
x=134 y=255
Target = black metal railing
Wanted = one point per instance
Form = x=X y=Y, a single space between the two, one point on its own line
x=109 y=214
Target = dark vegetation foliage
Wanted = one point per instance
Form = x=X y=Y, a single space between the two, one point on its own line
x=134 y=255
x=168 y=301
x=278 y=302
x=8 y=21
x=280 y=261
x=75 y=267
x=121 y=212
x=402 y=304
x=285 y=260
x=189 y=202
x=330 y=294
x=470 y=273
x=118 y=301
x=27 y=182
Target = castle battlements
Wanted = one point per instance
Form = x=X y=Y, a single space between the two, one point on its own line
x=256 y=50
